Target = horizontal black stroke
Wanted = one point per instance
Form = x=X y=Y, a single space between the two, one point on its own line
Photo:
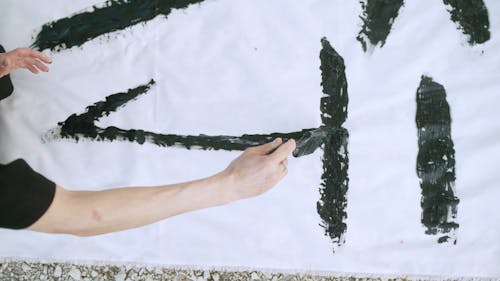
x=115 y=15
x=82 y=126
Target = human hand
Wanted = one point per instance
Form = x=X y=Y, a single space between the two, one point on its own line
x=257 y=170
x=23 y=58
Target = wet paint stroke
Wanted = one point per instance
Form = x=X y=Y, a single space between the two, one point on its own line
x=82 y=126
x=472 y=18
x=436 y=161
x=332 y=204
x=378 y=17
x=113 y=16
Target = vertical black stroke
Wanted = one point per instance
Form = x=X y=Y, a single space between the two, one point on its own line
x=436 y=160
x=472 y=18
x=115 y=15
x=334 y=102
x=82 y=126
x=378 y=17
x=334 y=180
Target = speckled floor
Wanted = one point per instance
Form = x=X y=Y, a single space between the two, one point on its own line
x=20 y=270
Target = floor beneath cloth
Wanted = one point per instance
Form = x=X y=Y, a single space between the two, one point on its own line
x=21 y=270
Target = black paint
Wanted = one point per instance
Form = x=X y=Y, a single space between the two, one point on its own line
x=334 y=102
x=436 y=160
x=472 y=18
x=82 y=126
x=311 y=141
x=378 y=17
x=115 y=15
x=334 y=180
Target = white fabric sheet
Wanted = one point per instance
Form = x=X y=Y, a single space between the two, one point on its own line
x=252 y=66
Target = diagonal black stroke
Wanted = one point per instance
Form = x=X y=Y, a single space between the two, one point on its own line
x=115 y=15
x=472 y=18
x=334 y=180
x=436 y=160
x=378 y=17
x=82 y=126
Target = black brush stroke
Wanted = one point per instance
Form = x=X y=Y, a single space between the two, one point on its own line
x=334 y=180
x=334 y=102
x=115 y=15
x=436 y=160
x=378 y=17
x=472 y=18
x=82 y=126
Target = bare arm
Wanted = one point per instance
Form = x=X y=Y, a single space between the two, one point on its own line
x=86 y=213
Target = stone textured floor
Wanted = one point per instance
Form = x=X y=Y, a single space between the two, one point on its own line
x=20 y=270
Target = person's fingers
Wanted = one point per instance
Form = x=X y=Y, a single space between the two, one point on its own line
x=284 y=150
x=40 y=56
x=31 y=68
x=31 y=61
x=40 y=65
x=268 y=147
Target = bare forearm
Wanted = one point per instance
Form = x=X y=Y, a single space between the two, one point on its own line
x=86 y=213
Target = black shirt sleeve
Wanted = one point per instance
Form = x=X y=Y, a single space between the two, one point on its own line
x=25 y=195
x=6 y=87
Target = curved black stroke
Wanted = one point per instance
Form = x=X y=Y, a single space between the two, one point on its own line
x=378 y=17
x=334 y=180
x=115 y=15
x=82 y=126
x=472 y=18
x=436 y=160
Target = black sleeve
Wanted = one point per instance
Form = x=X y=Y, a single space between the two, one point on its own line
x=25 y=195
x=6 y=87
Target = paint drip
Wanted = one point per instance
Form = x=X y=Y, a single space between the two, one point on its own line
x=472 y=18
x=82 y=126
x=436 y=161
x=115 y=15
x=334 y=180
x=378 y=17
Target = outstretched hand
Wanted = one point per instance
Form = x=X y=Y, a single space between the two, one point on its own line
x=27 y=58
x=259 y=168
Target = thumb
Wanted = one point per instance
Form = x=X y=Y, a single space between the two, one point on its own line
x=269 y=147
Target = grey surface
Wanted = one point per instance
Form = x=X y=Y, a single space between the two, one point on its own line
x=23 y=270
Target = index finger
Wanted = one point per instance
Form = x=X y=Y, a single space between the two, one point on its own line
x=41 y=56
x=284 y=150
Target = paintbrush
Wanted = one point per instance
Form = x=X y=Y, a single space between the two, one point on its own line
x=310 y=141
